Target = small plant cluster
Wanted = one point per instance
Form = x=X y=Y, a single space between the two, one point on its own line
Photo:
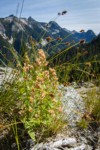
x=40 y=101
x=92 y=114
x=37 y=102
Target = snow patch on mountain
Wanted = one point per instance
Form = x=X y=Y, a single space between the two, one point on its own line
x=3 y=35
x=2 y=29
x=24 y=21
x=42 y=27
x=55 y=31
x=10 y=18
x=30 y=26
x=17 y=27
x=43 y=42
x=11 y=40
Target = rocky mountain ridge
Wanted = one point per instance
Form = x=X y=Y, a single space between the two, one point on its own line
x=14 y=30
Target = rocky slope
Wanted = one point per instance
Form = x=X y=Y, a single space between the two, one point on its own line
x=15 y=31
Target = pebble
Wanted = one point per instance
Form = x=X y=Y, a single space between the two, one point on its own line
x=69 y=142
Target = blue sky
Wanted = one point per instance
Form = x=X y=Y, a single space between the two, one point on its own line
x=82 y=14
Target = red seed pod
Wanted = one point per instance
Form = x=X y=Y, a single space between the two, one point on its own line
x=59 y=39
x=82 y=30
x=48 y=38
x=82 y=41
x=67 y=43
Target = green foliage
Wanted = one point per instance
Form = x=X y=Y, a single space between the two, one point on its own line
x=82 y=59
x=93 y=104
x=92 y=113
x=33 y=98
x=83 y=123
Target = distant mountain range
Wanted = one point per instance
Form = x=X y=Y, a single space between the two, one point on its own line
x=15 y=31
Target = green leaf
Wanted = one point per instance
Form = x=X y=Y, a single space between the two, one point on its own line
x=31 y=134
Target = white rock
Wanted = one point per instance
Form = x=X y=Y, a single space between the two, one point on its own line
x=38 y=146
x=42 y=146
x=73 y=104
x=69 y=142
x=57 y=144
x=6 y=75
x=82 y=147
x=66 y=142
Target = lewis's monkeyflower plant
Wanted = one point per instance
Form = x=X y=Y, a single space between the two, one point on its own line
x=38 y=88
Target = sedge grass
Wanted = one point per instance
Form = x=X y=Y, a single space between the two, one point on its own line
x=39 y=117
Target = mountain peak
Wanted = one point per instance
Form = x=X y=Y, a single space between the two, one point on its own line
x=11 y=15
x=31 y=19
x=53 y=24
x=90 y=32
x=10 y=18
